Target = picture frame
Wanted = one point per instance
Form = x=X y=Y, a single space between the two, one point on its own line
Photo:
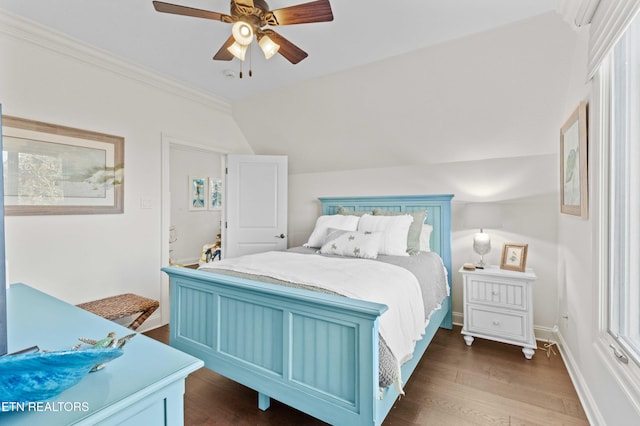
x=57 y=170
x=514 y=257
x=574 y=191
x=214 y=195
x=197 y=193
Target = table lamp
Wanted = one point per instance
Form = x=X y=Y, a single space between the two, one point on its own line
x=482 y=216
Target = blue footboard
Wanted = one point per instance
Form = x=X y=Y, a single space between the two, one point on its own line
x=315 y=352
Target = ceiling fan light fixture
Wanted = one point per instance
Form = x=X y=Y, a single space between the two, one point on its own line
x=238 y=50
x=242 y=33
x=268 y=46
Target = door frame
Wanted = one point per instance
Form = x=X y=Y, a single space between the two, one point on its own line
x=167 y=142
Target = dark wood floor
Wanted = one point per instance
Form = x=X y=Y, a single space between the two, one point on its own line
x=488 y=383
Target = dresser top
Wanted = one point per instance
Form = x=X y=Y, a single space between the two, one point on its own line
x=35 y=318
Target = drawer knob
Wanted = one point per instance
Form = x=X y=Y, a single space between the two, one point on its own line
x=496 y=322
x=495 y=292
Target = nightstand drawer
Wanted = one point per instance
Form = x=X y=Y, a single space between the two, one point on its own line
x=512 y=295
x=512 y=326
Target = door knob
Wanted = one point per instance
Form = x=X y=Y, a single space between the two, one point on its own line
x=280 y=236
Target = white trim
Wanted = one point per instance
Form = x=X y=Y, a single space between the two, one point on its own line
x=49 y=39
x=582 y=389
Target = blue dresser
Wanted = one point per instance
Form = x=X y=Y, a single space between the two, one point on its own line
x=145 y=386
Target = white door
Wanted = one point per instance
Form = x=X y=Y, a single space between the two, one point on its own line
x=256 y=204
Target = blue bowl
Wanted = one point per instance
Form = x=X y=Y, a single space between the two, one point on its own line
x=44 y=375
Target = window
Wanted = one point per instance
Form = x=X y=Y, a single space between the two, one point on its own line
x=624 y=192
x=617 y=97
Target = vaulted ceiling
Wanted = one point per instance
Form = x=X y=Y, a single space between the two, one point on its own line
x=182 y=47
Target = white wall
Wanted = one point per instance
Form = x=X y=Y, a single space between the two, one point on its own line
x=490 y=95
x=48 y=78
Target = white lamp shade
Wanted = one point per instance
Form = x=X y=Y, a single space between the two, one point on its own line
x=238 y=50
x=481 y=243
x=268 y=46
x=242 y=33
x=483 y=215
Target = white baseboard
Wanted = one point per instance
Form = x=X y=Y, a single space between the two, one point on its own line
x=588 y=403
x=458 y=318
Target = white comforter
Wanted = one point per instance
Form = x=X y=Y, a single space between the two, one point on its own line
x=400 y=326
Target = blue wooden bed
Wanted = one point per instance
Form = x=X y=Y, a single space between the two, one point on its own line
x=312 y=351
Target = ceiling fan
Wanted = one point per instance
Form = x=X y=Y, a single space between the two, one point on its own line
x=249 y=17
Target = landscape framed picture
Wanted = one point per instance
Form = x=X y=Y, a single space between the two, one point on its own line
x=514 y=257
x=51 y=169
x=573 y=164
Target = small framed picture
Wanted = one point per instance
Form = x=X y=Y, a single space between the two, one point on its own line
x=197 y=193
x=514 y=257
x=215 y=194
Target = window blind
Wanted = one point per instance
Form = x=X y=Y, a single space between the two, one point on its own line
x=609 y=21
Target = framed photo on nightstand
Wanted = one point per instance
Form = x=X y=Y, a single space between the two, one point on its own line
x=514 y=257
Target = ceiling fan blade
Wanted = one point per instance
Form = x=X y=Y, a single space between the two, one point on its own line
x=306 y=13
x=190 y=11
x=223 y=54
x=290 y=51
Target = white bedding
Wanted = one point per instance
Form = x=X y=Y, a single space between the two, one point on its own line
x=401 y=326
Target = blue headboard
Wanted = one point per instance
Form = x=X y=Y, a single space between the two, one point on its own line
x=438 y=214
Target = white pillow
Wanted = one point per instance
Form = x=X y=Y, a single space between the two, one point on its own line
x=323 y=223
x=352 y=243
x=395 y=230
x=425 y=237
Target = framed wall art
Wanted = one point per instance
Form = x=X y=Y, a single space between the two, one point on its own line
x=214 y=200
x=51 y=169
x=197 y=193
x=573 y=164
x=514 y=257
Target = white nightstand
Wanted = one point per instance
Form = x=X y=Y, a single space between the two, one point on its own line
x=498 y=305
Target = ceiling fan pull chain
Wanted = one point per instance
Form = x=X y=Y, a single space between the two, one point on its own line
x=250 y=61
x=240 y=69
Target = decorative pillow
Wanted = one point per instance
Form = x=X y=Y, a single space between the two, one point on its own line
x=343 y=211
x=413 y=238
x=323 y=223
x=394 y=232
x=425 y=237
x=353 y=244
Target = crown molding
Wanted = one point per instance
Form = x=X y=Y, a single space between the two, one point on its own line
x=47 y=38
